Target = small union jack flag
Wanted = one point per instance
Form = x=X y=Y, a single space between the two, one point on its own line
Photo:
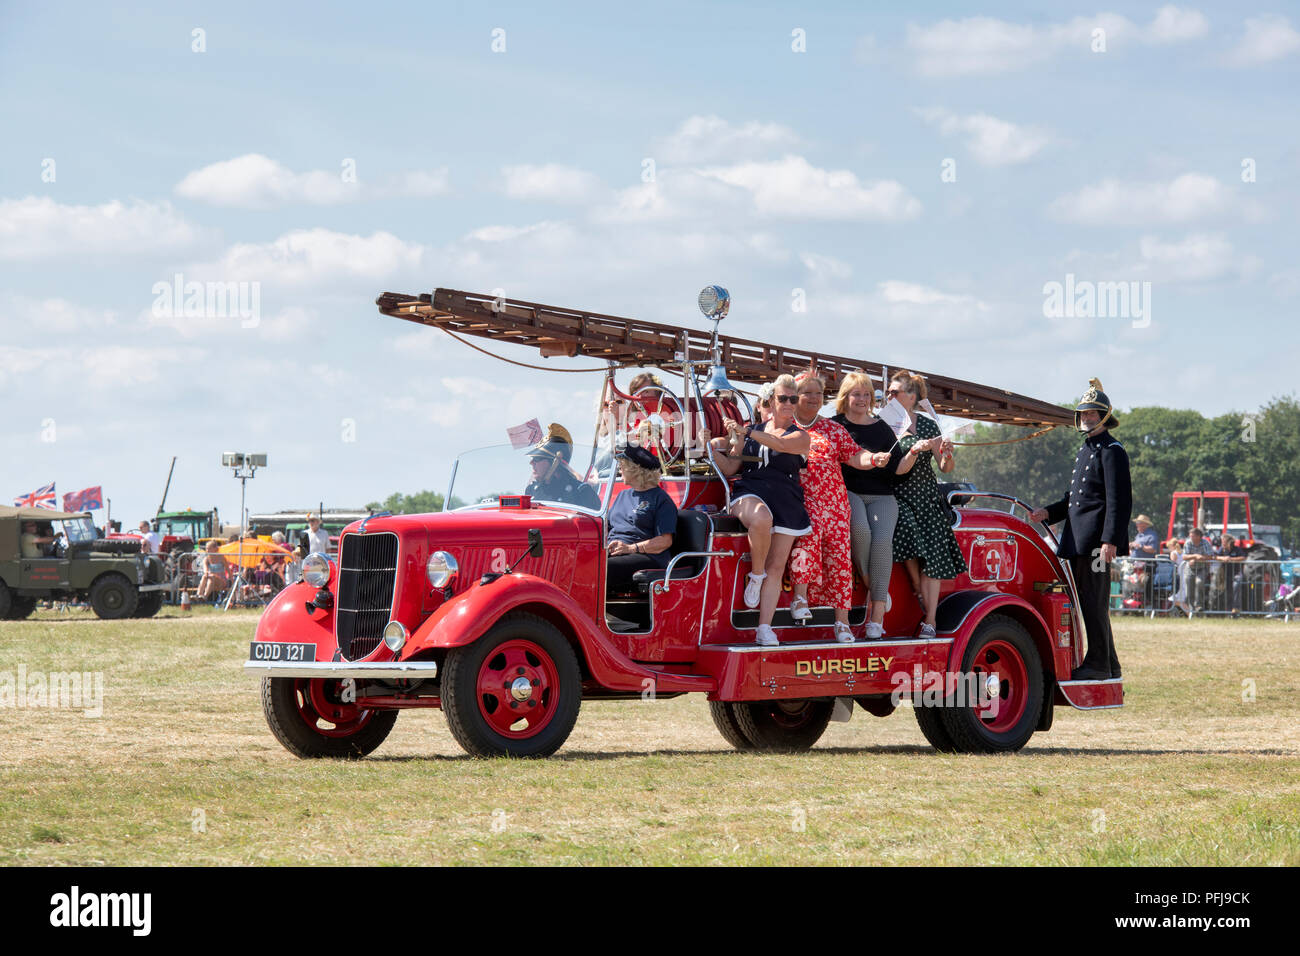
x=43 y=497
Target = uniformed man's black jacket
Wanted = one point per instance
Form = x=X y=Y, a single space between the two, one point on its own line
x=564 y=485
x=1097 y=507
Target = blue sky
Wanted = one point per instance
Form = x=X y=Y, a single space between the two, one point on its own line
x=788 y=175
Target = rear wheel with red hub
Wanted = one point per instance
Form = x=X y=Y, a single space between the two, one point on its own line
x=320 y=718
x=515 y=692
x=782 y=725
x=998 y=703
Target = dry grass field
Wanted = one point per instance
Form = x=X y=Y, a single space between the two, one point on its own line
x=1201 y=767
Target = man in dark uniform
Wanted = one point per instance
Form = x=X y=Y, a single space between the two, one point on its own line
x=553 y=479
x=1096 y=510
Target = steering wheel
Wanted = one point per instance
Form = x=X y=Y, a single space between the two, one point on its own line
x=656 y=409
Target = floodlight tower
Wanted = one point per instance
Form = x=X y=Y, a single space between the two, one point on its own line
x=245 y=466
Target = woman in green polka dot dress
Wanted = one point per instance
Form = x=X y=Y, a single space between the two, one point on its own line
x=923 y=537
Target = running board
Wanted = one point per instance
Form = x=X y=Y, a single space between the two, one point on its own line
x=1091 y=694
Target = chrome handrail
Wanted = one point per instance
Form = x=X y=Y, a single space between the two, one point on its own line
x=668 y=571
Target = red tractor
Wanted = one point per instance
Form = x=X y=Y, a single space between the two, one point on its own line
x=497 y=611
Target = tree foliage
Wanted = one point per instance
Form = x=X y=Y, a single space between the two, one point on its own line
x=422 y=502
x=1169 y=450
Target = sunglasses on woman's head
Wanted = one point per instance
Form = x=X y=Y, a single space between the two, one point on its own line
x=787 y=399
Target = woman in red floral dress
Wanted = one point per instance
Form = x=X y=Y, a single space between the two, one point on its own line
x=821 y=564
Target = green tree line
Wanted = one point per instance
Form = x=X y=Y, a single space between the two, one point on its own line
x=1169 y=450
x=422 y=502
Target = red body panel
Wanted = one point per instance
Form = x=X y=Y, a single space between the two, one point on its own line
x=701 y=635
x=1091 y=695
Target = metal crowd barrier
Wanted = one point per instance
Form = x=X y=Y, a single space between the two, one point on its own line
x=1213 y=587
x=257 y=586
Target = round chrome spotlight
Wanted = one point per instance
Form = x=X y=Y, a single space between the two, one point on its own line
x=715 y=301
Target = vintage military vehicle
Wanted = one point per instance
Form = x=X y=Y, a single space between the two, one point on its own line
x=111 y=575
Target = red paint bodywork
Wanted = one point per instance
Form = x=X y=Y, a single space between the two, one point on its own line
x=699 y=640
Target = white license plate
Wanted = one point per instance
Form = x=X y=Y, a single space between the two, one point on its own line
x=272 y=651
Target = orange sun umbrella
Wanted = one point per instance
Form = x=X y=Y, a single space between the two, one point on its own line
x=254 y=550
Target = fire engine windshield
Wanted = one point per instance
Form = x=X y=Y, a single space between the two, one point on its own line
x=483 y=475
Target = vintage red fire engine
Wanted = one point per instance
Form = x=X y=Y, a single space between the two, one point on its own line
x=495 y=610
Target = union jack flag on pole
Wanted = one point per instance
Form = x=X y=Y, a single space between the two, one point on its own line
x=43 y=497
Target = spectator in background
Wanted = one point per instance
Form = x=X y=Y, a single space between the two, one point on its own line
x=215 y=573
x=1145 y=543
x=1232 y=553
x=293 y=567
x=318 y=539
x=1145 y=547
x=1197 y=555
x=150 y=541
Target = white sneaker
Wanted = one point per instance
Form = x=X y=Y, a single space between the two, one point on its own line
x=843 y=634
x=875 y=631
x=800 y=611
x=753 y=588
x=765 y=636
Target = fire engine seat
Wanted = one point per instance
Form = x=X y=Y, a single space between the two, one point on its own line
x=692 y=534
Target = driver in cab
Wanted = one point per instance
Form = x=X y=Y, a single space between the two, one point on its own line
x=34 y=543
x=553 y=479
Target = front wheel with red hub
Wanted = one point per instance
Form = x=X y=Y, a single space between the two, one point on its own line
x=515 y=692
x=319 y=718
x=998 y=700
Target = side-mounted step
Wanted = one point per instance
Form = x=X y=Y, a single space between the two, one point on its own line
x=1091 y=694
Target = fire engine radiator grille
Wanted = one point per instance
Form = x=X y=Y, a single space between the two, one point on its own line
x=367 y=576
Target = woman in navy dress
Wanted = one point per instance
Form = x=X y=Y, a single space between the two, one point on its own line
x=767 y=498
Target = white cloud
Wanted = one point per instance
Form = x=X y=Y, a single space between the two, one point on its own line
x=825 y=267
x=316 y=256
x=255 y=181
x=53 y=315
x=1186 y=198
x=39 y=227
x=1266 y=39
x=124 y=366
x=978 y=45
x=551 y=183
x=704 y=139
x=1197 y=257
x=1174 y=25
x=992 y=141
x=792 y=188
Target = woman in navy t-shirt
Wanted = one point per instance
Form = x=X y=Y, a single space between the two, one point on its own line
x=642 y=520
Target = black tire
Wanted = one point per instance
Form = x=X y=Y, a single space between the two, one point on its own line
x=150 y=604
x=724 y=718
x=557 y=682
x=109 y=546
x=21 y=608
x=784 y=726
x=6 y=602
x=969 y=732
x=296 y=722
x=932 y=726
x=113 y=597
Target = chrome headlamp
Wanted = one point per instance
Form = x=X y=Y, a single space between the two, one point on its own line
x=395 y=636
x=441 y=569
x=316 y=569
